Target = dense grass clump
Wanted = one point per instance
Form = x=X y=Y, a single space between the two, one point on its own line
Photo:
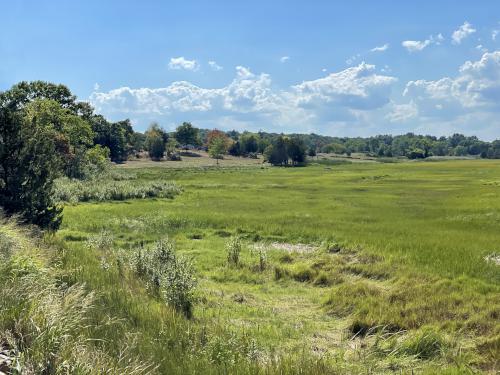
x=74 y=191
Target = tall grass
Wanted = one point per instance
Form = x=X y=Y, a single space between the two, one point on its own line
x=45 y=325
x=100 y=190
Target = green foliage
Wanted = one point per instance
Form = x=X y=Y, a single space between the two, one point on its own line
x=276 y=153
x=186 y=134
x=89 y=163
x=155 y=142
x=101 y=241
x=284 y=149
x=170 y=147
x=170 y=274
x=97 y=161
x=416 y=153
x=118 y=137
x=218 y=147
x=296 y=150
x=336 y=148
x=249 y=143
x=28 y=165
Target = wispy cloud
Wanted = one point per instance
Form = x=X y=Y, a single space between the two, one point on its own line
x=214 y=66
x=494 y=34
x=380 y=48
x=462 y=32
x=284 y=59
x=179 y=63
x=351 y=60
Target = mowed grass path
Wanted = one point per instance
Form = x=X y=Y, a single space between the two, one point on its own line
x=438 y=217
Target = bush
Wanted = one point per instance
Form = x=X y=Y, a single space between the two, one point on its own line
x=172 y=276
x=233 y=250
x=416 y=153
x=101 y=241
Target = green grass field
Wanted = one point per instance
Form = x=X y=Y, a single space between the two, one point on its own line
x=346 y=267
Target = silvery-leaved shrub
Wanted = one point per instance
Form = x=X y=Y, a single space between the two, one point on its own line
x=233 y=250
x=101 y=241
x=171 y=275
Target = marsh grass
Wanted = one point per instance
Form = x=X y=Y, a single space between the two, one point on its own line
x=100 y=190
x=387 y=259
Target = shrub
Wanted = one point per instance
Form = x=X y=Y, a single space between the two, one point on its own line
x=101 y=241
x=233 y=250
x=155 y=142
x=172 y=276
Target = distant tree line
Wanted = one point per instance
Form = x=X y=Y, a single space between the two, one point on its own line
x=408 y=145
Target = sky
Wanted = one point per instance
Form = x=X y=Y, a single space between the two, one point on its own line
x=342 y=68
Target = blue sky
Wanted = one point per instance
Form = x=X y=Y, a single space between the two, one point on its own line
x=333 y=67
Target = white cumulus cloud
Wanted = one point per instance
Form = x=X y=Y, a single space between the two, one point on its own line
x=252 y=99
x=178 y=63
x=475 y=88
x=284 y=59
x=462 y=32
x=356 y=87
